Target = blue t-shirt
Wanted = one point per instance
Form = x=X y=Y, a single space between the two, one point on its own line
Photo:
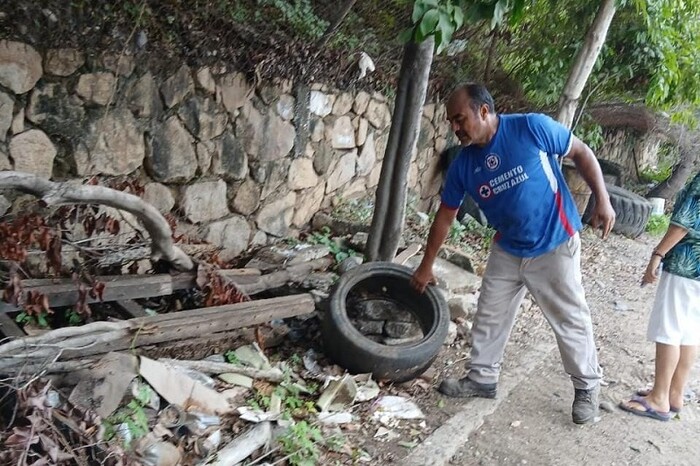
x=517 y=182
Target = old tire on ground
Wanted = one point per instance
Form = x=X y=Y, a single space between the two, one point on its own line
x=632 y=211
x=352 y=350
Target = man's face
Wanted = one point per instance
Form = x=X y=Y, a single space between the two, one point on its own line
x=467 y=124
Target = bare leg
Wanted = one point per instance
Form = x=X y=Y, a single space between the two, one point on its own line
x=680 y=376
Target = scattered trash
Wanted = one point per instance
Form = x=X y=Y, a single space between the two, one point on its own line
x=237 y=379
x=178 y=388
x=255 y=415
x=335 y=418
x=339 y=395
x=386 y=434
x=396 y=407
x=252 y=356
x=242 y=446
x=102 y=387
x=159 y=454
x=367 y=388
x=621 y=306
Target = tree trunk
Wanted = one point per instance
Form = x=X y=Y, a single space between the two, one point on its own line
x=688 y=143
x=491 y=56
x=583 y=64
x=390 y=205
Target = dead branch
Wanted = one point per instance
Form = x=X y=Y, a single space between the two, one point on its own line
x=54 y=193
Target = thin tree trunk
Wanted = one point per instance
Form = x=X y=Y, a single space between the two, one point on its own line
x=345 y=9
x=583 y=64
x=390 y=205
x=491 y=56
x=688 y=143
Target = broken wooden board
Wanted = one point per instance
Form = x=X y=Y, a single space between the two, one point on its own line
x=8 y=327
x=82 y=341
x=254 y=284
x=64 y=291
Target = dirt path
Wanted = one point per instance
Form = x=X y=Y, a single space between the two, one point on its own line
x=531 y=422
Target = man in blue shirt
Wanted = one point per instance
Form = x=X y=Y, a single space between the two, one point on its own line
x=510 y=166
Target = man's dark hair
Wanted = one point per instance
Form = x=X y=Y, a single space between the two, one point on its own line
x=478 y=96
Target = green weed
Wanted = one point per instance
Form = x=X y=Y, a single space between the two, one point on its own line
x=658 y=224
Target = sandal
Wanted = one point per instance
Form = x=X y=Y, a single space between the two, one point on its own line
x=645 y=392
x=648 y=410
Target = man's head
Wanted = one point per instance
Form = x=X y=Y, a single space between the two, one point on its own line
x=471 y=113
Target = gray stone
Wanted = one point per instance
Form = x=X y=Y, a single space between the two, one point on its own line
x=308 y=203
x=113 y=145
x=234 y=91
x=203 y=118
x=118 y=63
x=349 y=263
x=205 y=154
x=63 y=62
x=20 y=66
x=341 y=134
x=378 y=114
x=369 y=327
x=247 y=198
x=5 y=163
x=171 y=156
x=4 y=205
x=143 y=99
x=159 y=196
x=361 y=131
x=323 y=159
x=402 y=329
x=205 y=80
x=463 y=306
x=232 y=234
x=378 y=309
x=354 y=190
x=429 y=111
x=33 y=152
x=318 y=129
x=368 y=157
x=359 y=241
x=320 y=281
x=205 y=201
x=285 y=107
x=457 y=257
x=361 y=102
x=259 y=239
x=177 y=87
x=374 y=175
x=96 y=88
x=7 y=105
x=426 y=135
x=275 y=217
x=380 y=143
x=264 y=137
x=451 y=334
x=320 y=104
x=276 y=179
x=18 y=122
x=343 y=172
x=54 y=110
x=450 y=277
x=230 y=160
x=302 y=174
x=343 y=104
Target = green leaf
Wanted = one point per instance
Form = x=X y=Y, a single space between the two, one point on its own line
x=419 y=9
x=499 y=11
x=406 y=35
x=429 y=22
x=458 y=17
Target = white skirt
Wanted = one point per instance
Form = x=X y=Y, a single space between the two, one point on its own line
x=675 y=317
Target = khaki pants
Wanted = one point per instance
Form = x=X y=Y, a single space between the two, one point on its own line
x=554 y=280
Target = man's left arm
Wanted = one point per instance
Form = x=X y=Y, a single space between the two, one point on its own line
x=603 y=215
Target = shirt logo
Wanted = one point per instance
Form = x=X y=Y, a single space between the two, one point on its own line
x=493 y=161
x=485 y=191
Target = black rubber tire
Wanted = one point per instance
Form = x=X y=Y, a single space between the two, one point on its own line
x=350 y=349
x=632 y=211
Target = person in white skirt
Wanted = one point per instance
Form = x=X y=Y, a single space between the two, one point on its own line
x=674 y=323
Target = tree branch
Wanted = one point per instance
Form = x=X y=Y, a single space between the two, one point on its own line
x=54 y=193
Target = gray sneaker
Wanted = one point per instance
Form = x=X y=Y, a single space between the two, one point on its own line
x=466 y=388
x=585 y=407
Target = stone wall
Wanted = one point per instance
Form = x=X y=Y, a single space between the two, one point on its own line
x=239 y=164
x=630 y=149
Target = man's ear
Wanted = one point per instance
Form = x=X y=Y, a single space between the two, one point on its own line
x=484 y=111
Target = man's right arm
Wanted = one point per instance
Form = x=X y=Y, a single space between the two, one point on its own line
x=423 y=275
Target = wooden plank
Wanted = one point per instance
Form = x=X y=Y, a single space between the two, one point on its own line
x=9 y=328
x=190 y=324
x=64 y=291
x=130 y=308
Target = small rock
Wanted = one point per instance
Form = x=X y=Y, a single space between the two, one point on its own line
x=349 y=264
x=515 y=424
x=451 y=334
x=607 y=406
